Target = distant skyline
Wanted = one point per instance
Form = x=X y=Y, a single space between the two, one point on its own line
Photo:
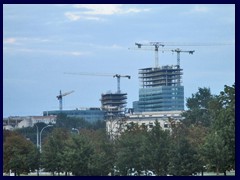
x=41 y=42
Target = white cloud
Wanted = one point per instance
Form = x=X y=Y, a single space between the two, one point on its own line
x=108 y=47
x=72 y=16
x=75 y=16
x=75 y=53
x=93 y=18
x=24 y=40
x=34 y=39
x=45 y=51
x=135 y=10
x=9 y=40
x=92 y=11
x=199 y=9
x=100 y=9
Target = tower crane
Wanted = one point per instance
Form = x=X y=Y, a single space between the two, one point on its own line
x=178 y=51
x=60 y=96
x=118 y=76
x=156 y=46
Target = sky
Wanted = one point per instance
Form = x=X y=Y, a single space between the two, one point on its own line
x=41 y=43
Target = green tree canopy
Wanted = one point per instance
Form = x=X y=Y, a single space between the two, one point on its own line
x=183 y=156
x=52 y=150
x=131 y=151
x=19 y=154
x=219 y=148
x=198 y=108
x=157 y=149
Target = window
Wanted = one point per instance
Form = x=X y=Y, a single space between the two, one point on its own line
x=166 y=125
x=150 y=125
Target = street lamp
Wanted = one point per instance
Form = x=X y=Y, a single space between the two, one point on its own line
x=41 y=136
x=37 y=136
x=74 y=129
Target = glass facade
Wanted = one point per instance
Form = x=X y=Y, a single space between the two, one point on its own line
x=163 y=98
x=89 y=115
x=161 y=90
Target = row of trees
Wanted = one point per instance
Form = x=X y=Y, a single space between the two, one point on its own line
x=19 y=154
x=62 y=122
x=203 y=140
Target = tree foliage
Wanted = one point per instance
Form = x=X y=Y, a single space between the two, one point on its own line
x=198 y=106
x=183 y=155
x=157 y=149
x=19 y=154
x=131 y=151
x=102 y=159
x=219 y=148
x=52 y=151
x=84 y=154
x=205 y=137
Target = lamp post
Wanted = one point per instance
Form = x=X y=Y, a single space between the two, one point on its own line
x=40 y=144
x=74 y=129
x=37 y=146
x=37 y=136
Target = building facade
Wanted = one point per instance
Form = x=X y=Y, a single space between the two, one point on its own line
x=165 y=118
x=160 y=90
x=88 y=114
x=113 y=104
x=14 y=122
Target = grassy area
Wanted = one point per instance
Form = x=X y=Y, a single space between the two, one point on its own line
x=40 y=174
x=229 y=173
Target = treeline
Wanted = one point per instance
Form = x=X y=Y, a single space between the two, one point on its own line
x=203 y=141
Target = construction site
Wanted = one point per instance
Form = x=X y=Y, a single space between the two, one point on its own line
x=160 y=90
x=161 y=96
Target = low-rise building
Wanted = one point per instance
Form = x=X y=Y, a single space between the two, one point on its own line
x=116 y=126
x=89 y=114
x=31 y=120
x=14 y=122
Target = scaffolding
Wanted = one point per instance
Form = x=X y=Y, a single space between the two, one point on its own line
x=164 y=76
x=114 y=104
x=160 y=89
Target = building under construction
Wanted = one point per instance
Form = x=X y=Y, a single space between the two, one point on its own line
x=161 y=87
x=114 y=104
x=160 y=90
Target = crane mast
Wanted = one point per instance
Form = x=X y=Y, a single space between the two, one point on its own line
x=60 y=96
x=178 y=51
x=156 y=46
x=118 y=76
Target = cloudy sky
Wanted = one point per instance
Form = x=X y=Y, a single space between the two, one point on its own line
x=42 y=42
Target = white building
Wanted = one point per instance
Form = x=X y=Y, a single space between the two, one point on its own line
x=29 y=121
x=114 y=127
x=8 y=127
x=13 y=122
